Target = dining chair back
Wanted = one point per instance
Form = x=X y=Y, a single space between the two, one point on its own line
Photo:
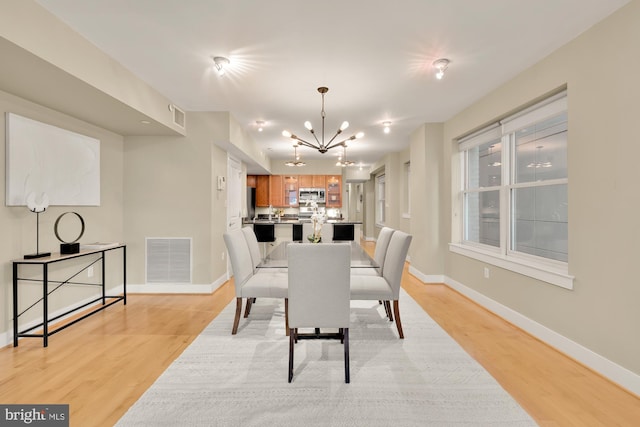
x=254 y=246
x=319 y=293
x=382 y=244
x=248 y=284
x=240 y=257
x=394 y=260
x=379 y=253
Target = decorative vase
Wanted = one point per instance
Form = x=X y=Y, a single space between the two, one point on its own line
x=314 y=239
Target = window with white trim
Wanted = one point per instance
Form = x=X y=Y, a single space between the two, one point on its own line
x=380 y=200
x=514 y=200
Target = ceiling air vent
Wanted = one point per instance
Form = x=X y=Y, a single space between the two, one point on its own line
x=168 y=260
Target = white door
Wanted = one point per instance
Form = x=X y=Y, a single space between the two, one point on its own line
x=234 y=193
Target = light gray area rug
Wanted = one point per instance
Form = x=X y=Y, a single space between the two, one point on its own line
x=426 y=379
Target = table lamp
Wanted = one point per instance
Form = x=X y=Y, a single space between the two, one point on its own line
x=37 y=205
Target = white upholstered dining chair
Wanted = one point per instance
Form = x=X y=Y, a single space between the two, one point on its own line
x=256 y=254
x=256 y=258
x=380 y=251
x=319 y=294
x=385 y=287
x=248 y=284
x=382 y=243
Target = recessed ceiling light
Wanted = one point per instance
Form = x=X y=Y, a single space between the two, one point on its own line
x=145 y=122
x=260 y=124
x=387 y=126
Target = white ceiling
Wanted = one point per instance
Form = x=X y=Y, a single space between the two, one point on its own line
x=375 y=57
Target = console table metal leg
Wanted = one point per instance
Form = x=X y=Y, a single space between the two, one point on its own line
x=104 y=267
x=124 y=274
x=45 y=305
x=15 y=304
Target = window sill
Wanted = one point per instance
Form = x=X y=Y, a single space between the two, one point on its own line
x=537 y=271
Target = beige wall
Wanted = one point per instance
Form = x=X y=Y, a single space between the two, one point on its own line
x=18 y=226
x=600 y=69
x=426 y=250
x=170 y=192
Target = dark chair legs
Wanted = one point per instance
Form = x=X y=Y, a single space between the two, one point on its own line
x=292 y=335
x=345 y=337
x=396 y=311
x=387 y=309
x=247 y=309
x=286 y=316
x=236 y=321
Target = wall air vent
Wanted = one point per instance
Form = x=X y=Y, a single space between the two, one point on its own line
x=178 y=117
x=168 y=260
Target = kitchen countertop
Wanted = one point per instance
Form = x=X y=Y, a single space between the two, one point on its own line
x=287 y=221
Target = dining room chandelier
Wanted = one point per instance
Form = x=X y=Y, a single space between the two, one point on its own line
x=320 y=144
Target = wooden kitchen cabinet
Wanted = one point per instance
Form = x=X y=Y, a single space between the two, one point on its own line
x=311 y=181
x=262 y=190
x=334 y=191
x=290 y=190
x=251 y=181
x=283 y=191
x=276 y=191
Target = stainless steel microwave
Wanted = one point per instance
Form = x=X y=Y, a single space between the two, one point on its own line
x=312 y=195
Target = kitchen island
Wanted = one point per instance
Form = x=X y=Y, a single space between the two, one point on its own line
x=284 y=227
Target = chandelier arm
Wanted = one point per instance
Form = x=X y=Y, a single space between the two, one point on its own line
x=334 y=137
x=316 y=137
x=306 y=144
x=341 y=143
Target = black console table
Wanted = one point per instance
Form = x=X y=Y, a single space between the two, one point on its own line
x=106 y=300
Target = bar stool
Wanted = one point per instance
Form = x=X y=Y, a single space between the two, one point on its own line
x=265 y=233
x=297 y=233
x=342 y=232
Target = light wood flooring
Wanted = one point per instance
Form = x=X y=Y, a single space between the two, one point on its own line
x=103 y=364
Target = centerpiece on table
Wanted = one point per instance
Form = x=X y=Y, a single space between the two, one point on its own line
x=317 y=219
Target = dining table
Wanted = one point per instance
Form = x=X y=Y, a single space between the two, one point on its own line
x=277 y=258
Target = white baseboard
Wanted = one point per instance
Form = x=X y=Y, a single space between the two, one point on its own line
x=424 y=278
x=611 y=370
x=176 y=288
x=605 y=367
